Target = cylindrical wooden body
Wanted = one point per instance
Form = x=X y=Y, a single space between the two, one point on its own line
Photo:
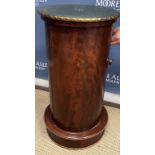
x=77 y=54
x=77 y=58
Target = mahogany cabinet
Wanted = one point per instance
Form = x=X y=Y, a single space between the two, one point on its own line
x=77 y=40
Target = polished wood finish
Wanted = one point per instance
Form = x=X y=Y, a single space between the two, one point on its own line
x=75 y=139
x=77 y=59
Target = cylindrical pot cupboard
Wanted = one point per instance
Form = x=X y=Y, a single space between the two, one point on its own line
x=77 y=40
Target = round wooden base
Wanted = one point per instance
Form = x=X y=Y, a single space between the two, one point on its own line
x=75 y=139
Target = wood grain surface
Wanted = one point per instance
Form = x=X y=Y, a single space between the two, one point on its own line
x=109 y=144
x=77 y=55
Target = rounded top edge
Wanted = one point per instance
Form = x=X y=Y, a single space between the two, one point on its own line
x=78 y=13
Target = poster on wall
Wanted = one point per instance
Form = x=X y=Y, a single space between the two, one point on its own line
x=41 y=65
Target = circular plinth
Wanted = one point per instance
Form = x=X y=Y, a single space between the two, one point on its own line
x=75 y=139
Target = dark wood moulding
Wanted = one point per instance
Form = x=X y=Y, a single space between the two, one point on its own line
x=77 y=59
